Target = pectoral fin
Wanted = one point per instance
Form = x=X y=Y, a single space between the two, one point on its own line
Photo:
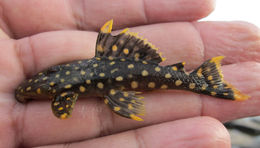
x=126 y=104
x=63 y=104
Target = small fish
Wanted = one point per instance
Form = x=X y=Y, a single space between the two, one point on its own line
x=124 y=65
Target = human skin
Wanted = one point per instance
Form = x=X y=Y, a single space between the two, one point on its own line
x=42 y=33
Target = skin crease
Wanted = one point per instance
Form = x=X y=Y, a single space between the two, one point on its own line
x=30 y=44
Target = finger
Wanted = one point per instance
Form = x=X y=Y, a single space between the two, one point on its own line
x=3 y=35
x=223 y=38
x=193 y=132
x=91 y=14
x=93 y=131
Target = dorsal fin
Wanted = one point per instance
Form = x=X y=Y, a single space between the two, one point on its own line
x=125 y=45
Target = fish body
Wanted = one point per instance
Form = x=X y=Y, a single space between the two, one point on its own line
x=123 y=66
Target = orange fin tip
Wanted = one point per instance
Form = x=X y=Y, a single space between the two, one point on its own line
x=107 y=27
x=239 y=96
x=134 y=117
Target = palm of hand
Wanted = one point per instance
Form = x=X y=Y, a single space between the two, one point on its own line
x=33 y=124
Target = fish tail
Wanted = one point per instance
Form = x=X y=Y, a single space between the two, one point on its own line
x=212 y=83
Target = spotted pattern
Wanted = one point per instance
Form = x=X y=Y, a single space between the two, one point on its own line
x=123 y=65
x=134 y=84
x=145 y=73
x=119 y=78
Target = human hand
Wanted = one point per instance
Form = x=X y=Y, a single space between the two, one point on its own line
x=44 y=33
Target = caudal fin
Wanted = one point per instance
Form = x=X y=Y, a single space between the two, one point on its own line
x=214 y=84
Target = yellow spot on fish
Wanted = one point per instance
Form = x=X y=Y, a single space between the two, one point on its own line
x=126 y=51
x=57 y=75
x=164 y=86
x=100 y=48
x=54 y=91
x=52 y=83
x=56 y=103
x=151 y=84
x=145 y=73
x=60 y=108
x=168 y=75
x=30 y=80
x=213 y=93
x=215 y=86
x=130 y=66
x=98 y=58
x=114 y=70
x=130 y=76
x=63 y=94
x=38 y=91
x=126 y=94
x=130 y=106
x=35 y=81
x=133 y=101
x=67 y=72
x=88 y=81
x=82 y=72
x=67 y=106
x=178 y=82
x=112 y=92
x=100 y=85
x=134 y=117
x=137 y=55
x=45 y=78
x=208 y=69
x=204 y=86
x=28 y=88
x=134 y=84
x=67 y=65
x=95 y=65
x=82 y=89
x=64 y=116
x=210 y=77
x=40 y=73
x=106 y=101
x=157 y=69
x=102 y=74
x=199 y=72
x=114 y=48
x=192 y=85
x=112 y=63
x=68 y=86
x=225 y=94
x=117 y=108
x=122 y=59
x=119 y=78
x=76 y=68
x=110 y=58
x=174 y=68
x=144 y=62
x=62 y=80
x=121 y=99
